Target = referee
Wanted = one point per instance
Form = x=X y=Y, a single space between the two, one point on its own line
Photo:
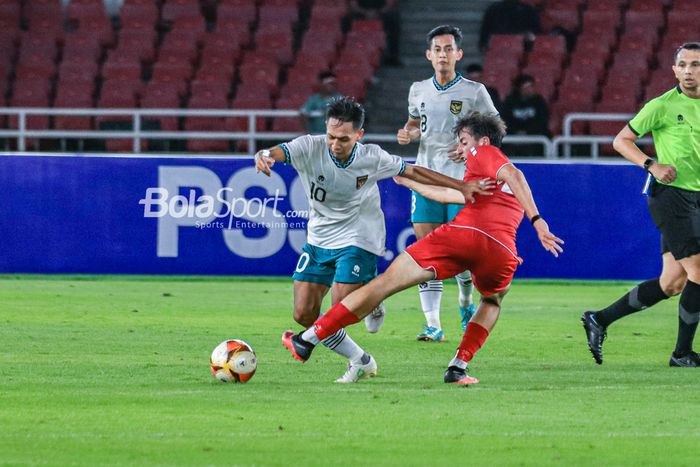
x=673 y=119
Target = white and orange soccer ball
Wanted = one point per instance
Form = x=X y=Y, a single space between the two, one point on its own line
x=233 y=361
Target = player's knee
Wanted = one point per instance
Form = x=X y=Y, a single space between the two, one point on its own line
x=305 y=316
x=674 y=288
x=494 y=299
x=673 y=285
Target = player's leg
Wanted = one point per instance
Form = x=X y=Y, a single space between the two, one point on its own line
x=466 y=301
x=688 y=315
x=361 y=364
x=464 y=280
x=426 y=216
x=313 y=277
x=642 y=296
x=478 y=329
x=403 y=273
x=493 y=267
x=352 y=267
x=676 y=213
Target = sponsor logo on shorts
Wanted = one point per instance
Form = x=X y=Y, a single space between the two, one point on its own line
x=356 y=270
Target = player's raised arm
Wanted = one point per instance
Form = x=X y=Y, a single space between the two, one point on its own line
x=266 y=158
x=521 y=190
x=427 y=176
x=440 y=194
x=410 y=131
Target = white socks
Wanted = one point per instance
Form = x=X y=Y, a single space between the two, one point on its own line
x=466 y=288
x=430 y=293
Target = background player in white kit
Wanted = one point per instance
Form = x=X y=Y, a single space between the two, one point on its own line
x=434 y=107
x=346 y=231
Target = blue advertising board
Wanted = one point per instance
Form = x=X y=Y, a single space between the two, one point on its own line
x=191 y=215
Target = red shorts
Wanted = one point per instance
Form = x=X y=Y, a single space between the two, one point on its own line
x=449 y=250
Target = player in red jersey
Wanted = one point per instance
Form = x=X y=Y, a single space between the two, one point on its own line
x=481 y=238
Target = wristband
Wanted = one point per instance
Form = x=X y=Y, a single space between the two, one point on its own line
x=648 y=163
x=535 y=218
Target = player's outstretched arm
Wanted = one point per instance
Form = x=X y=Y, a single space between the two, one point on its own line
x=521 y=190
x=410 y=131
x=431 y=177
x=624 y=144
x=266 y=158
x=440 y=194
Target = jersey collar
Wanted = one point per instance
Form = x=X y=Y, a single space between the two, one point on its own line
x=347 y=163
x=439 y=87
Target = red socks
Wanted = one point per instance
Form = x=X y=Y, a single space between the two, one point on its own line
x=333 y=320
x=472 y=341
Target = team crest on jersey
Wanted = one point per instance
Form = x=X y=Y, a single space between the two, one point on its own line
x=455 y=107
x=360 y=181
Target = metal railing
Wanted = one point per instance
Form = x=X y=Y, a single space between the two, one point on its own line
x=560 y=146
x=568 y=138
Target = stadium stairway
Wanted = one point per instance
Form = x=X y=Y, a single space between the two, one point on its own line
x=387 y=98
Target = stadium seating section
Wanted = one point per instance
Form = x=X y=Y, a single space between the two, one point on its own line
x=192 y=54
x=265 y=54
x=621 y=55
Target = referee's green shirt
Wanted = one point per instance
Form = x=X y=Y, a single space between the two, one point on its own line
x=674 y=121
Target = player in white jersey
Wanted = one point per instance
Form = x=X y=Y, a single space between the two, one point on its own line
x=434 y=107
x=346 y=229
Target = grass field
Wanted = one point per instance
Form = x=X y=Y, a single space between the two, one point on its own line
x=114 y=371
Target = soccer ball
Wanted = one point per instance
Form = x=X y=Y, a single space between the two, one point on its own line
x=233 y=361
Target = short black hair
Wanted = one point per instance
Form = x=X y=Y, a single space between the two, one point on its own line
x=346 y=109
x=443 y=30
x=479 y=125
x=686 y=46
x=325 y=74
x=521 y=79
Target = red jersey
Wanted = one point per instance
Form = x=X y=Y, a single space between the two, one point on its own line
x=498 y=215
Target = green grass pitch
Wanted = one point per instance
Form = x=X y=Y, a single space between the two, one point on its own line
x=114 y=371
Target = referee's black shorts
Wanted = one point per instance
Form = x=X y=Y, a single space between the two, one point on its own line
x=676 y=213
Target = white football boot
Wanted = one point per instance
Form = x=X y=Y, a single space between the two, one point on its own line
x=358 y=372
x=375 y=319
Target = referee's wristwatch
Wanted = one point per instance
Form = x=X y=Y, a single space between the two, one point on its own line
x=648 y=163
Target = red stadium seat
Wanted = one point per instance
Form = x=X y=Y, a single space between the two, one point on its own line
x=653 y=6
x=278 y=45
x=507 y=44
x=233 y=27
x=242 y=11
x=175 y=9
x=273 y=14
x=653 y=21
x=605 y=5
x=552 y=19
x=685 y=6
x=221 y=45
x=146 y=11
x=260 y=70
x=79 y=43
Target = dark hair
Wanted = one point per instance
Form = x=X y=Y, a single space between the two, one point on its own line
x=474 y=68
x=346 y=109
x=479 y=125
x=522 y=79
x=325 y=74
x=686 y=46
x=444 y=30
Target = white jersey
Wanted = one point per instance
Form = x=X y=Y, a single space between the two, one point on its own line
x=438 y=108
x=344 y=203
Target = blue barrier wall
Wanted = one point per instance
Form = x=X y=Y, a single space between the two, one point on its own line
x=82 y=214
